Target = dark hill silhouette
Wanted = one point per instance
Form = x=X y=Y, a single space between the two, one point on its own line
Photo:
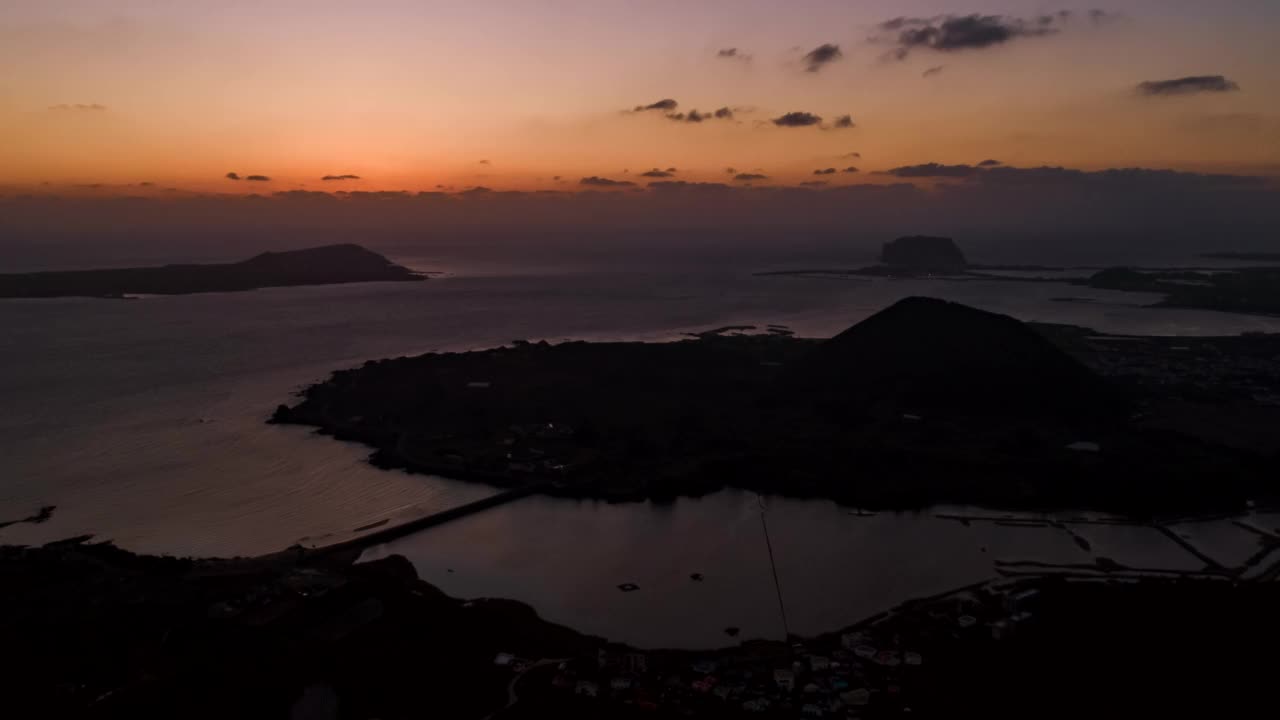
x=928 y=353
x=921 y=253
x=327 y=265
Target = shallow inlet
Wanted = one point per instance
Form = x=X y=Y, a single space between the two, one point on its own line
x=566 y=558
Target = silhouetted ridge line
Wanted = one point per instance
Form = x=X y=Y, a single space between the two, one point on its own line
x=326 y=265
x=927 y=353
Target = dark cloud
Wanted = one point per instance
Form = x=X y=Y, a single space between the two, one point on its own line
x=989 y=163
x=813 y=183
x=825 y=171
x=730 y=171
x=854 y=155
x=695 y=116
x=665 y=105
x=933 y=170
x=667 y=185
x=1121 y=176
x=935 y=70
x=797 y=119
x=340 y=177
x=485 y=162
x=1070 y=211
x=843 y=122
x=656 y=173
x=597 y=181
x=258 y=178
x=1103 y=17
x=78 y=107
x=1187 y=86
x=671 y=170
x=556 y=178
x=232 y=176
x=146 y=184
x=748 y=177
x=733 y=53
x=949 y=33
x=850 y=169
x=821 y=56
x=304 y=195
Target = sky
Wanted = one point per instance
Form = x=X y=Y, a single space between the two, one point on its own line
x=514 y=94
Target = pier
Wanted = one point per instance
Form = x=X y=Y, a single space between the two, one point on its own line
x=392 y=532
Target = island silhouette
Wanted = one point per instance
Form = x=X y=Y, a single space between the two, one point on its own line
x=326 y=265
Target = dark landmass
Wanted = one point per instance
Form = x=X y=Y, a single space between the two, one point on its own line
x=927 y=402
x=98 y=632
x=1248 y=256
x=94 y=631
x=921 y=253
x=328 y=265
x=1240 y=290
x=41 y=516
x=910 y=256
x=1041 y=648
x=1250 y=290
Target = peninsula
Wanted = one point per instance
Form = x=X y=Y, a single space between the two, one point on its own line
x=327 y=265
x=926 y=402
x=1250 y=290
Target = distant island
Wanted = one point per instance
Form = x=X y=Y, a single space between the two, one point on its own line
x=926 y=402
x=327 y=265
x=922 y=253
x=1250 y=290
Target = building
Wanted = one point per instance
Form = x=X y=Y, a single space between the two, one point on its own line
x=851 y=640
x=855 y=698
x=637 y=662
x=586 y=688
x=785 y=680
x=620 y=683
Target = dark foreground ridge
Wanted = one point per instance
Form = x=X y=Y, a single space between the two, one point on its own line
x=98 y=632
x=328 y=265
x=926 y=402
x=95 y=631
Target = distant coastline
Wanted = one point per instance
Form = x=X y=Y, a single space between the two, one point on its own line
x=1249 y=290
x=327 y=265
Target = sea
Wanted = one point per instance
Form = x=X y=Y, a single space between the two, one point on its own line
x=143 y=421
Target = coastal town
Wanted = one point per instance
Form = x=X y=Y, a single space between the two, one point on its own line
x=880 y=666
x=999 y=648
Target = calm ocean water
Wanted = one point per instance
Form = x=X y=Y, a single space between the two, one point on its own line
x=143 y=421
